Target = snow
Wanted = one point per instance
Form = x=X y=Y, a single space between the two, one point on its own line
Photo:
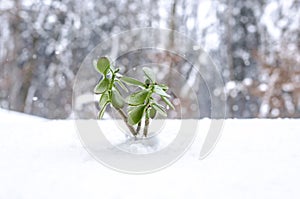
x=263 y=87
x=155 y=141
x=256 y=158
x=247 y=81
x=230 y=85
x=6 y=4
x=269 y=21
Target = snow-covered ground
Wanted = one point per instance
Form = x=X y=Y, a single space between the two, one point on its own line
x=253 y=159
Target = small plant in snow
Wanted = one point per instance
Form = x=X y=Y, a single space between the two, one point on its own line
x=141 y=105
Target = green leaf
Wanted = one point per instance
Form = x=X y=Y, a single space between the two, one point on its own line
x=136 y=114
x=167 y=102
x=102 y=86
x=103 y=99
x=116 y=99
x=160 y=109
x=137 y=98
x=147 y=115
x=121 y=85
x=132 y=81
x=101 y=112
x=160 y=91
x=102 y=65
x=116 y=70
x=130 y=108
x=152 y=112
x=147 y=82
x=164 y=87
x=149 y=73
x=115 y=87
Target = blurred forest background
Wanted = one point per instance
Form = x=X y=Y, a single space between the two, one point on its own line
x=254 y=43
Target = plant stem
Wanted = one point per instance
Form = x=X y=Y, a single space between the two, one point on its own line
x=125 y=119
x=120 y=111
x=112 y=82
x=138 y=128
x=147 y=116
x=147 y=121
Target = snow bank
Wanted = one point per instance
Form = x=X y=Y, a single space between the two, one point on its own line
x=10 y=116
x=253 y=159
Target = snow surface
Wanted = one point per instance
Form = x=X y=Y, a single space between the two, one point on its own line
x=253 y=159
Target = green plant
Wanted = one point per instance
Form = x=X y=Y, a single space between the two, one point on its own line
x=141 y=104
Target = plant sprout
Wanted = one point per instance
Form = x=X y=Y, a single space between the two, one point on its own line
x=142 y=104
